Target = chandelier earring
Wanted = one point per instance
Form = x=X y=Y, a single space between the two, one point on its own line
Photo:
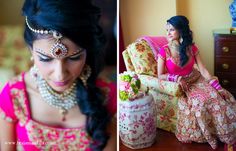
x=34 y=72
x=85 y=74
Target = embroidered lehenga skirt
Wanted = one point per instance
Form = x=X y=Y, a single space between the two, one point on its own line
x=204 y=116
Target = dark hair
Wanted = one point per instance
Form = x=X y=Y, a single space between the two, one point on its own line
x=78 y=21
x=181 y=24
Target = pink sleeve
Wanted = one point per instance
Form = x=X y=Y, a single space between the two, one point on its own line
x=162 y=53
x=195 y=50
x=110 y=93
x=6 y=105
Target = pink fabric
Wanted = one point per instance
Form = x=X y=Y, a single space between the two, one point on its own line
x=31 y=135
x=155 y=43
x=172 y=77
x=173 y=68
x=205 y=116
x=112 y=102
x=215 y=84
x=7 y=106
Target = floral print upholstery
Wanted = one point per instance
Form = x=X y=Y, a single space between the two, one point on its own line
x=139 y=58
x=142 y=58
x=14 y=54
x=167 y=87
x=127 y=60
x=166 y=107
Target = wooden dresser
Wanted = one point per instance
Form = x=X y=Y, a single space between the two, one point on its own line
x=225 y=59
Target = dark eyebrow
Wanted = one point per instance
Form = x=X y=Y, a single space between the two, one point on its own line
x=43 y=54
x=79 y=52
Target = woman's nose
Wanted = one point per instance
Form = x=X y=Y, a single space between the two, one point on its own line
x=60 y=71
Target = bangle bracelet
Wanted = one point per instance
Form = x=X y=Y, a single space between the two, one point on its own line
x=215 y=84
x=172 y=77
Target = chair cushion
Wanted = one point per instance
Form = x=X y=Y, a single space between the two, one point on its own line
x=166 y=107
x=142 y=58
x=163 y=86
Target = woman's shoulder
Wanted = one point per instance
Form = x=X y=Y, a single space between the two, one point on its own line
x=194 y=49
x=163 y=51
x=106 y=79
x=108 y=88
x=14 y=82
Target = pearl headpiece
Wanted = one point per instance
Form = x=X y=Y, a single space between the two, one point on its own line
x=58 y=49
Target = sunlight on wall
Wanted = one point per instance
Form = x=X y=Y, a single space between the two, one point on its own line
x=205 y=16
x=140 y=17
x=145 y=17
x=11 y=12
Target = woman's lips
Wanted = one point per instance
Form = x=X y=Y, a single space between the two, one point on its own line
x=61 y=83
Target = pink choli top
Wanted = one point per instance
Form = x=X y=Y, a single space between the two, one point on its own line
x=171 y=63
x=34 y=136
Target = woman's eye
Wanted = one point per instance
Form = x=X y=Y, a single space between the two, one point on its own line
x=75 y=58
x=44 y=59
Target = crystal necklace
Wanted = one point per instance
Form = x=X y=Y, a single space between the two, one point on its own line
x=63 y=101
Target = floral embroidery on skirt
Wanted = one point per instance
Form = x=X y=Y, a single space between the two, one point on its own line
x=204 y=116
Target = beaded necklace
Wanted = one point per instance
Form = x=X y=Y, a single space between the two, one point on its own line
x=63 y=101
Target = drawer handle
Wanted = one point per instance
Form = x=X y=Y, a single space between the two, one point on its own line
x=225 y=82
x=225 y=66
x=225 y=49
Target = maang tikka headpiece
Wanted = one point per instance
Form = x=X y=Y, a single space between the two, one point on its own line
x=58 y=49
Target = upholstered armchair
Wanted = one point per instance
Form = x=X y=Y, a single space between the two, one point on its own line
x=141 y=57
x=14 y=55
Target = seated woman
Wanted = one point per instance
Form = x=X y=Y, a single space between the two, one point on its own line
x=206 y=112
x=60 y=103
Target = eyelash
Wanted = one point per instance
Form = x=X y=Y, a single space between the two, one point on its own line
x=50 y=59
x=45 y=59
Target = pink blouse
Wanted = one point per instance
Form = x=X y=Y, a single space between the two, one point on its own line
x=172 y=63
x=34 y=136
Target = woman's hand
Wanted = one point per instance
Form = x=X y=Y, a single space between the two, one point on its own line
x=223 y=93
x=184 y=85
x=162 y=77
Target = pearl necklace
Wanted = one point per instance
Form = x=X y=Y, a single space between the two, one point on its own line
x=63 y=101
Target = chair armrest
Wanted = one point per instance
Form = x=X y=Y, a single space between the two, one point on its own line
x=167 y=87
x=128 y=63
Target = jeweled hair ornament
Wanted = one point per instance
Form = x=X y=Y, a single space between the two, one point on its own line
x=58 y=49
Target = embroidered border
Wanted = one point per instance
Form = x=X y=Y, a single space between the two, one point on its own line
x=48 y=138
x=20 y=109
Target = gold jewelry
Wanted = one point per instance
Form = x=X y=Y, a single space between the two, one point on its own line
x=174 y=46
x=85 y=74
x=58 y=49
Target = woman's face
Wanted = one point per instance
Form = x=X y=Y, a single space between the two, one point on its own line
x=59 y=73
x=172 y=33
